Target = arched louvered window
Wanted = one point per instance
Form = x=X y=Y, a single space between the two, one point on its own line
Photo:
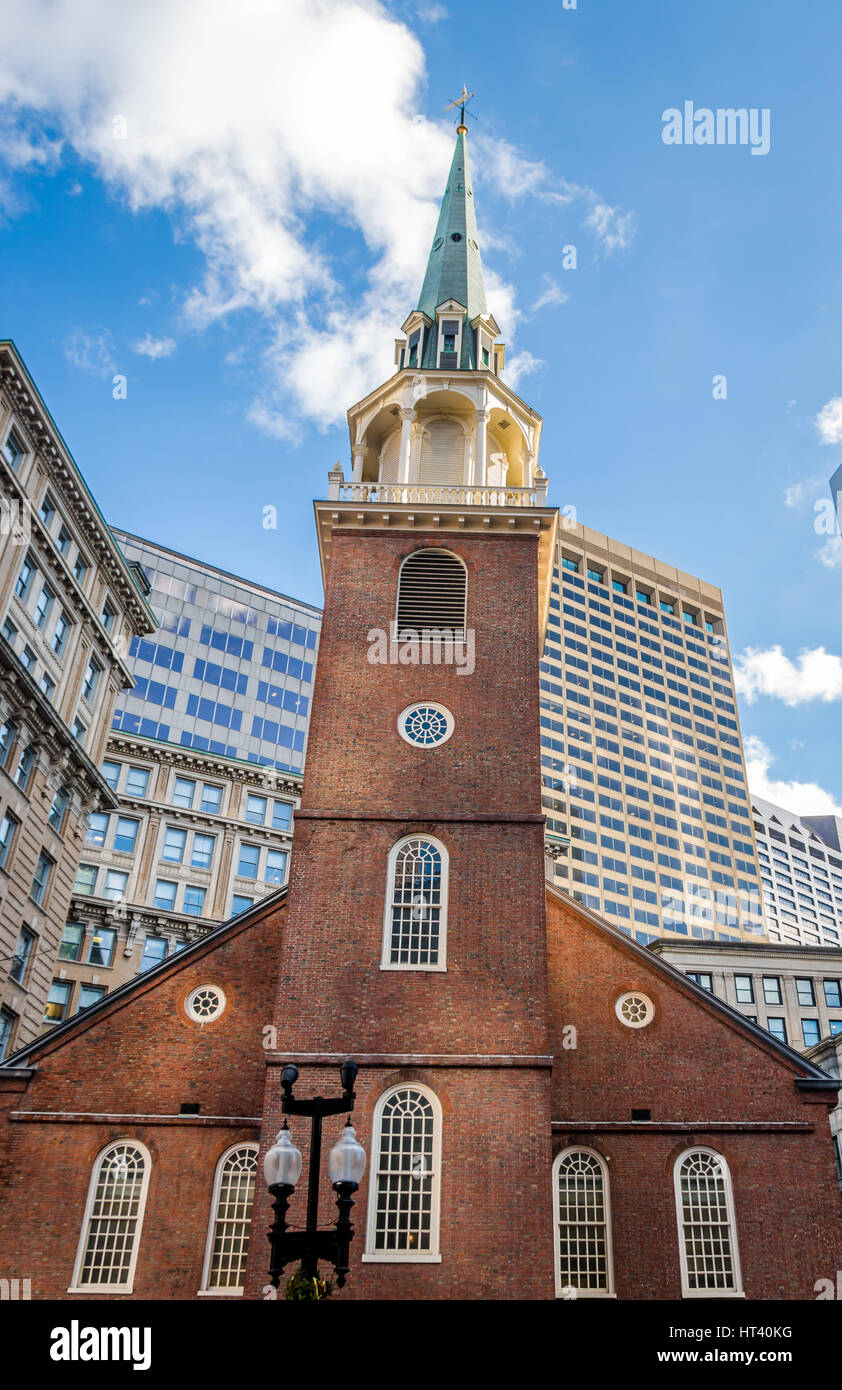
x=707 y=1233
x=583 y=1256
x=403 y=1201
x=432 y=593
x=415 y=926
x=442 y=459
x=111 y=1229
x=230 y=1221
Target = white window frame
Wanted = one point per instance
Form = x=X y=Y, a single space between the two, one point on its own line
x=433 y=1255
x=563 y=1290
x=386 y=950
x=686 y=1291
x=204 y=1291
x=128 y=1287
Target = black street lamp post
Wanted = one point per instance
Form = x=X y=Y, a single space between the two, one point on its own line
x=282 y=1169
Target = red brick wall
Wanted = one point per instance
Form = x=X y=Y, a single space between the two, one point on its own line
x=690 y=1065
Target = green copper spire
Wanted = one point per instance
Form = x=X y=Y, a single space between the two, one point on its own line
x=454 y=269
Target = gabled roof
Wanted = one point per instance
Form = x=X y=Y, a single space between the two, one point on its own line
x=811 y=1077
x=226 y=931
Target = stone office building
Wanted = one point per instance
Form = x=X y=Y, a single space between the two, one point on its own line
x=70 y=604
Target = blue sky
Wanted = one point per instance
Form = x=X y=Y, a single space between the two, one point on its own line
x=245 y=251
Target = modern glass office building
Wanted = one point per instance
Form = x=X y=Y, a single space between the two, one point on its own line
x=801 y=872
x=648 y=814
x=230 y=670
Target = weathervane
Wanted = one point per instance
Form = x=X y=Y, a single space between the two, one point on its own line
x=462 y=102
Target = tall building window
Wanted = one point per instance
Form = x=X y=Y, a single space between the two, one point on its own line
x=810 y=1031
x=281 y=815
x=57 y=1001
x=43 y=870
x=71 y=941
x=137 y=781
x=183 y=792
x=113 y=1219
x=403 y=1203
x=211 y=798
x=92 y=675
x=772 y=989
x=80 y=568
x=248 y=862
x=194 y=900
x=415 y=925
x=125 y=834
x=203 y=847
x=7 y=738
x=707 y=1235
x=101 y=949
x=88 y=995
x=12 y=451
x=230 y=1221
x=239 y=903
x=115 y=885
x=174 y=842
x=276 y=866
x=832 y=994
x=154 y=951
x=7 y=1028
x=256 y=809
x=97 y=828
x=165 y=890
x=8 y=826
x=805 y=993
x=24 y=580
x=111 y=773
x=27 y=758
x=60 y=634
x=107 y=616
x=777 y=1027
x=432 y=592
x=86 y=876
x=583 y=1225
x=47 y=686
x=43 y=606
x=744 y=986
x=20 y=959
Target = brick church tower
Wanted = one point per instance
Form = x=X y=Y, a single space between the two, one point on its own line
x=415 y=931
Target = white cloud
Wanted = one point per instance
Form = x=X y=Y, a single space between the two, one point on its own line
x=803 y=491
x=829 y=421
x=432 y=13
x=155 y=347
x=803 y=798
x=91 y=352
x=273 y=422
x=553 y=294
x=521 y=365
x=814 y=675
x=261 y=166
x=831 y=553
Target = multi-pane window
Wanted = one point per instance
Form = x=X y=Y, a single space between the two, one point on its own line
x=703 y=980
x=777 y=1027
x=12 y=450
x=79 y=730
x=239 y=903
x=8 y=826
x=183 y=792
x=281 y=815
x=203 y=847
x=47 y=686
x=63 y=540
x=28 y=659
x=248 y=862
x=416 y=905
x=10 y=632
x=92 y=675
x=276 y=866
x=583 y=1230
x=107 y=616
x=115 y=885
x=403 y=1202
x=165 y=894
x=27 y=758
x=7 y=1027
x=57 y=1001
x=61 y=800
x=137 y=781
x=111 y=773
x=832 y=994
x=810 y=1031
x=71 y=941
x=772 y=989
x=174 y=843
x=211 y=798
x=805 y=993
x=154 y=951
x=85 y=879
x=101 y=949
x=24 y=580
x=113 y=1220
x=706 y=1228
x=88 y=995
x=47 y=511
x=43 y=606
x=125 y=834
x=744 y=987
x=23 y=950
x=7 y=738
x=97 y=828
x=230 y=1228
x=43 y=869
x=80 y=569
x=60 y=634
x=256 y=809
x=194 y=901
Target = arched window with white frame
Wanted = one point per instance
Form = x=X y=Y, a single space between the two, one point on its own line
x=584 y=1263
x=415 y=923
x=230 y=1221
x=403 y=1199
x=110 y=1236
x=707 y=1230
